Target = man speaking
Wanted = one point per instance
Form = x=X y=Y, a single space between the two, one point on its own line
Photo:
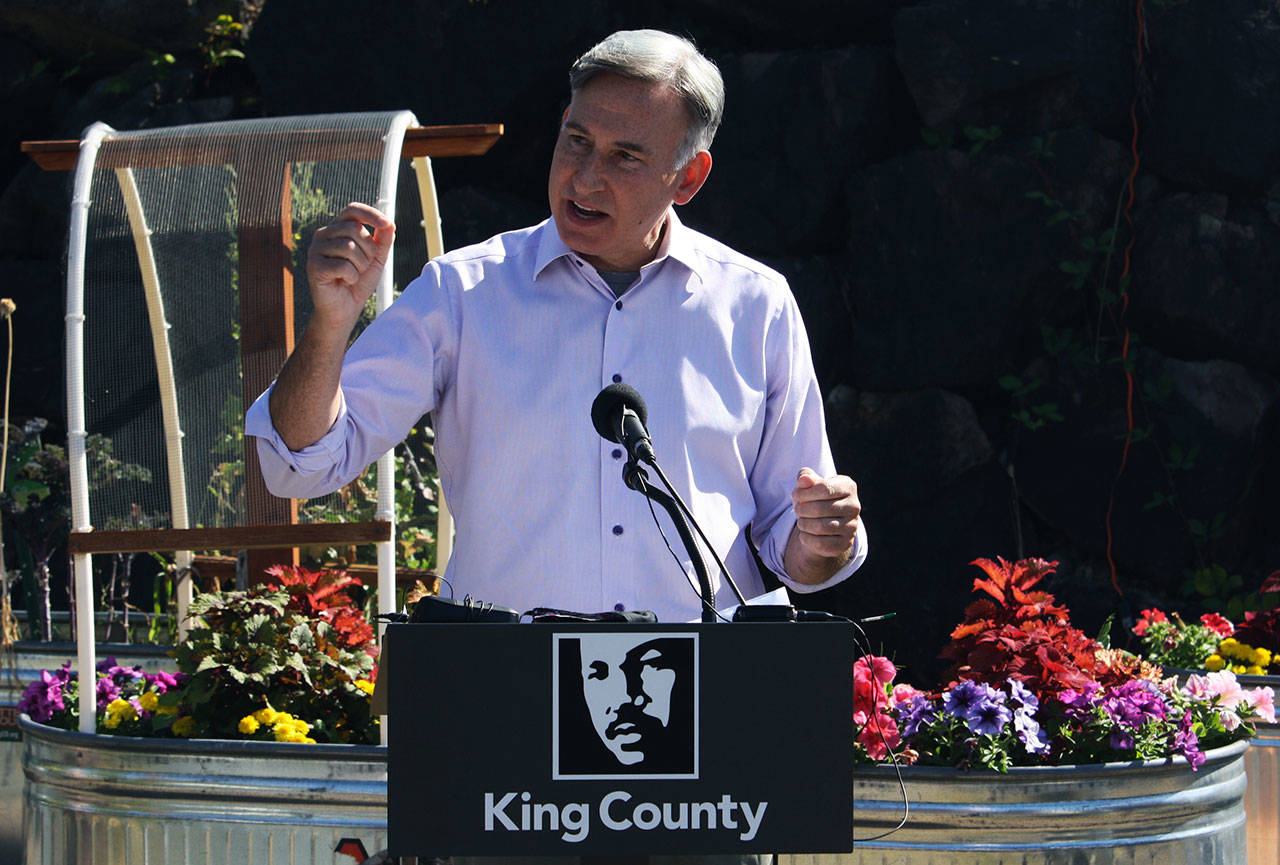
x=506 y=344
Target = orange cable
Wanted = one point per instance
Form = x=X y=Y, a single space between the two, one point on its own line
x=1124 y=297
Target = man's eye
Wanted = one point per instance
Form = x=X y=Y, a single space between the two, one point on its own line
x=599 y=670
x=627 y=157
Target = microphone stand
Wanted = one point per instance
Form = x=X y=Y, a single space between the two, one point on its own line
x=637 y=479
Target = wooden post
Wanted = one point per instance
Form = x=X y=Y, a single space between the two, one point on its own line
x=266 y=324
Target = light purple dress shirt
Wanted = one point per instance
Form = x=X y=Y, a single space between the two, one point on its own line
x=508 y=342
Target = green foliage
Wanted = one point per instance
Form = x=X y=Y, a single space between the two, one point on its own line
x=1175 y=643
x=980 y=136
x=1215 y=588
x=254 y=650
x=218 y=47
x=1029 y=416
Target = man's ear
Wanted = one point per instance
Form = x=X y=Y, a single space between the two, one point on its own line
x=691 y=177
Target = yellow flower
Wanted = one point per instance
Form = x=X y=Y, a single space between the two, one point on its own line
x=1238 y=669
x=266 y=716
x=121 y=709
x=1214 y=663
x=365 y=685
x=248 y=725
x=149 y=701
x=1228 y=645
x=111 y=721
x=1263 y=657
x=289 y=734
x=184 y=726
x=166 y=710
x=1255 y=670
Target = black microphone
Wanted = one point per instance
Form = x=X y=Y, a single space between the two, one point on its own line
x=619 y=415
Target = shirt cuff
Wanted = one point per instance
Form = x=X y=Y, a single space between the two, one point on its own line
x=855 y=562
x=315 y=458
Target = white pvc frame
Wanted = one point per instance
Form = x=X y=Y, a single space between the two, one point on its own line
x=82 y=564
x=435 y=246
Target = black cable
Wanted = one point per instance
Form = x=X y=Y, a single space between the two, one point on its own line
x=641 y=480
x=689 y=514
x=863 y=646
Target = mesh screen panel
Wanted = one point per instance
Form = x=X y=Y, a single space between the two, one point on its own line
x=212 y=196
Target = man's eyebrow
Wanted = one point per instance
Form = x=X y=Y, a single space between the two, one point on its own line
x=622 y=145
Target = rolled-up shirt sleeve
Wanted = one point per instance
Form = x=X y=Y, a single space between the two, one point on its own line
x=795 y=436
x=392 y=375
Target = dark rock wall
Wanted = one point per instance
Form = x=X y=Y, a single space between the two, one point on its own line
x=951 y=187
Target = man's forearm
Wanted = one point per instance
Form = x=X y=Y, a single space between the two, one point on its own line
x=304 y=401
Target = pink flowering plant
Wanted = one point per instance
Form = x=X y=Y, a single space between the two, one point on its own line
x=292 y=660
x=129 y=700
x=1020 y=698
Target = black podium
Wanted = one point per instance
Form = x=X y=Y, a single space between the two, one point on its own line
x=600 y=739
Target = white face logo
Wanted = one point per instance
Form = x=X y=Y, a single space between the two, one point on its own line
x=628 y=691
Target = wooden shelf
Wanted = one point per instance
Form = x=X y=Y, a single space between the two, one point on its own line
x=229 y=538
x=308 y=145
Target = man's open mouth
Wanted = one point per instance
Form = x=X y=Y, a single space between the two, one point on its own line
x=585 y=212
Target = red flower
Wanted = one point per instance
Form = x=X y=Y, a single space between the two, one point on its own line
x=1147 y=619
x=1218 y=624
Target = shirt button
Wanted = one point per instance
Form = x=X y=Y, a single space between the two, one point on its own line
x=617 y=530
x=616 y=378
x=619 y=607
x=618 y=305
x=617 y=453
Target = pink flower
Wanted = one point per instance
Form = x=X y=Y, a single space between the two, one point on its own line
x=871 y=676
x=1218 y=624
x=1224 y=685
x=1263 y=703
x=904 y=693
x=878 y=669
x=878 y=734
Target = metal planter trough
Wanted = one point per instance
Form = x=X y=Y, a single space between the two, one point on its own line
x=98 y=800
x=1262 y=799
x=1151 y=813
x=22 y=667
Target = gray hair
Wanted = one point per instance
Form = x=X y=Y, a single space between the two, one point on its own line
x=651 y=55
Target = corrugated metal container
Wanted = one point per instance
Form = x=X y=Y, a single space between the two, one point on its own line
x=115 y=800
x=1155 y=813
x=21 y=667
x=1262 y=800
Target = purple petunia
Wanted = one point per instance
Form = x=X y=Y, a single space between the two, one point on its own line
x=919 y=711
x=989 y=715
x=1188 y=743
x=1134 y=703
x=108 y=690
x=1020 y=693
x=963 y=697
x=44 y=696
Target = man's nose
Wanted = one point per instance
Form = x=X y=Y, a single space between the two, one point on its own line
x=589 y=177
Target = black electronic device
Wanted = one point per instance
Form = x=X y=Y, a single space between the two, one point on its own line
x=433 y=609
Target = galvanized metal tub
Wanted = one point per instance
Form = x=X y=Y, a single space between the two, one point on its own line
x=18 y=669
x=1150 y=813
x=100 y=800
x=1262 y=799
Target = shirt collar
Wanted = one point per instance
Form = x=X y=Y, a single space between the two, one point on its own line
x=677 y=244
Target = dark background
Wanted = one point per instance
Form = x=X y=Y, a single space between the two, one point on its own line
x=979 y=204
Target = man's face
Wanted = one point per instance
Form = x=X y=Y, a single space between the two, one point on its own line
x=628 y=692
x=613 y=175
